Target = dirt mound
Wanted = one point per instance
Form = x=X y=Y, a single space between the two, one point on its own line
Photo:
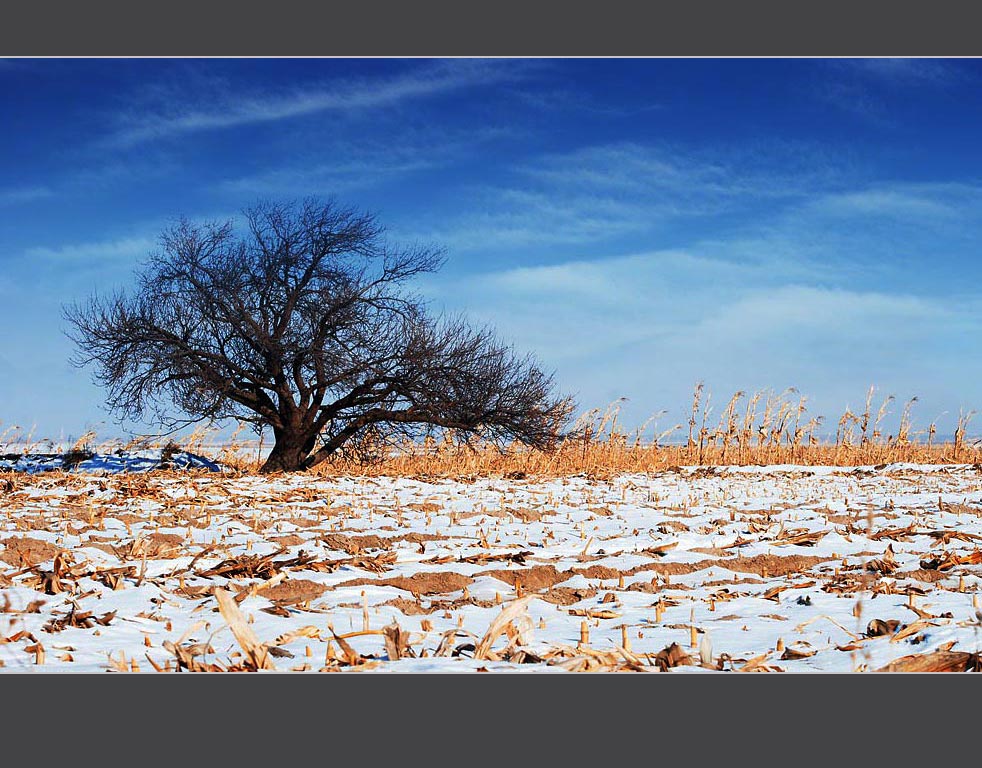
x=408 y=607
x=289 y=540
x=922 y=574
x=729 y=582
x=426 y=506
x=419 y=538
x=770 y=565
x=532 y=579
x=100 y=542
x=22 y=552
x=163 y=545
x=673 y=569
x=598 y=572
x=302 y=522
x=354 y=545
x=525 y=515
x=293 y=591
x=437 y=583
x=430 y=583
x=762 y=565
x=567 y=595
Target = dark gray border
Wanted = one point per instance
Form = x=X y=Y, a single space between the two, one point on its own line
x=501 y=28
x=586 y=719
x=509 y=718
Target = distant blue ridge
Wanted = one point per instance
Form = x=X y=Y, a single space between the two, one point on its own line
x=112 y=463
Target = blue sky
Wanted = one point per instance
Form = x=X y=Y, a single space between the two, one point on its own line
x=638 y=224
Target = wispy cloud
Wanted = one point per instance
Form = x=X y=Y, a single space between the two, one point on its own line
x=110 y=252
x=780 y=170
x=580 y=309
x=648 y=326
x=355 y=165
x=868 y=87
x=886 y=228
x=190 y=113
x=28 y=194
x=71 y=271
x=815 y=293
x=568 y=99
x=852 y=96
x=908 y=71
x=599 y=193
x=334 y=177
x=885 y=202
x=519 y=218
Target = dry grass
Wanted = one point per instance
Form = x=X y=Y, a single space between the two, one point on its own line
x=761 y=429
x=606 y=458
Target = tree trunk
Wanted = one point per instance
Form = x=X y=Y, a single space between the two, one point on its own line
x=289 y=452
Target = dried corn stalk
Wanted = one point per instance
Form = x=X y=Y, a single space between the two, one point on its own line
x=254 y=650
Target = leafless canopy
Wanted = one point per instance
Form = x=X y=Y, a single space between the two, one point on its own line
x=304 y=325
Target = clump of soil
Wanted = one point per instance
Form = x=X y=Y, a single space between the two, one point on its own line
x=409 y=607
x=922 y=574
x=430 y=583
x=728 y=582
x=598 y=572
x=302 y=522
x=289 y=540
x=100 y=542
x=354 y=545
x=772 y=565
x=673 y=569
x=416 y=608
x=293 y=591
x=426 y=506
x=21 y=552
x=532 y=579
x=163 y=544
x=419 y=538
x=436 y=583
x=567 y=595
x=123 y=517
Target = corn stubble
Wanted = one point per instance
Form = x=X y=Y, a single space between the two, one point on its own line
x=756 y=430
x=762 y=429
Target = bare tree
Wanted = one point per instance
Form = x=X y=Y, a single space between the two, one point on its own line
x=304 y=325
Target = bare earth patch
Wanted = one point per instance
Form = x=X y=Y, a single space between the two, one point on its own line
x=25 y=551
x=531 y=579
x=294 y=591
x=419 y=583
x=691 y=571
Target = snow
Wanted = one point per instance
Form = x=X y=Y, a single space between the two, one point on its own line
x=122 y=461
x=658 y=554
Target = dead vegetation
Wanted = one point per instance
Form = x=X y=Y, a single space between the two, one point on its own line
x=678 y=571
x=761 y=429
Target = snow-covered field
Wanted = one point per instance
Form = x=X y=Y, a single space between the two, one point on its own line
x=800 y=569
